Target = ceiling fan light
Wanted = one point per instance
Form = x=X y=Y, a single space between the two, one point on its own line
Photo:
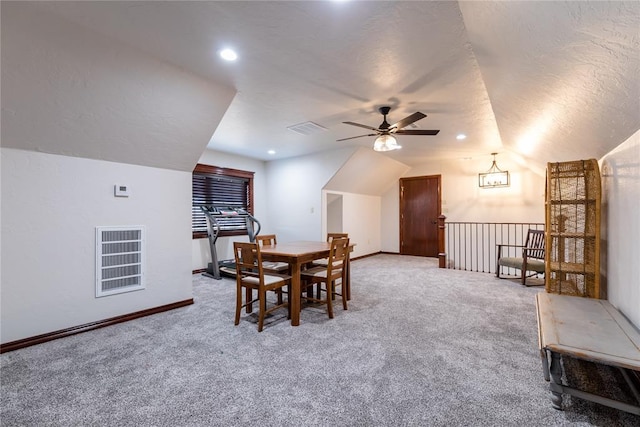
x=386 y=143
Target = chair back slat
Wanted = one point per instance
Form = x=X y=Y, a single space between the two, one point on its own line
x=331 y=236
x=248 y=260
x=337 y=256
x=535 y=244
x=332 y=276
x=267 y=239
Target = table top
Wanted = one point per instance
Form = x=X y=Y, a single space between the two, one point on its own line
x=587 y=328
x=297 y=248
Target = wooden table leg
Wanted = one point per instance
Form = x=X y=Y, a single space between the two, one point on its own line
x=556 y=378
x=249 y=297
x=347 y=286
x=294 y=298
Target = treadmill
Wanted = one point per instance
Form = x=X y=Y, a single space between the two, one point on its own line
x=221 y=218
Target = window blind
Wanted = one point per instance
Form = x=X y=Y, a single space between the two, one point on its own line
x=217 y=188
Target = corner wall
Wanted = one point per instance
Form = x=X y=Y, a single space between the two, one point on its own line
x=360 y=217
x=621 y=226
x=295 y=193
x=50 y=207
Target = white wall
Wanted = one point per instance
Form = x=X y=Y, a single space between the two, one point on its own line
x=334 y=210
x=295 y=193
x=366 y=172
x=50 y=207
x=200 y=252
x=360 y=216
x=390 y=220
x=463 y=200
x=621 y=226
x=362 y=222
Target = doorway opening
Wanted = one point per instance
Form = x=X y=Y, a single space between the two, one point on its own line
x=334 y=213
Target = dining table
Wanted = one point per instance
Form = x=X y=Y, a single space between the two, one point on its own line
x=297 y=254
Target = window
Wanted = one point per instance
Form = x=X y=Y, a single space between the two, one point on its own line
x=217 y=186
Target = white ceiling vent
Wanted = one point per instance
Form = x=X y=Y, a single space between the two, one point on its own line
x=307 y=128
x=119 y=260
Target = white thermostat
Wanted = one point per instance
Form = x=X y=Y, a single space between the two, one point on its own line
x=120 y=190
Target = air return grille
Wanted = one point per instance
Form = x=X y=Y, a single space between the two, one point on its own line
x=119 y=260
x=307 y=128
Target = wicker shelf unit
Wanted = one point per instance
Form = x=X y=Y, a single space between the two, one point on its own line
x=573 y=197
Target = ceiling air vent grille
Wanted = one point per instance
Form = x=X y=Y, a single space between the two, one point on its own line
x=119 y=260
x=307 y=128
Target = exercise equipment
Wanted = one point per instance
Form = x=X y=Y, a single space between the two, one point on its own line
x=221 y=218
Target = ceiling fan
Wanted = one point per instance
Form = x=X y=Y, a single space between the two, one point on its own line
x=385 y=140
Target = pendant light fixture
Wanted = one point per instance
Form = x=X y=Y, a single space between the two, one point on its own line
x=494 y=177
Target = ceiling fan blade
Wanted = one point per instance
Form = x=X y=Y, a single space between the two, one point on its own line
x=417 y=132
x=354 y=137
x=359 y=125
x=408 y=120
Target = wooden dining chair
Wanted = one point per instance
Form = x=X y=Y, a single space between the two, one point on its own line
x=332 y=276
x=266 y=239
x=250 y=275
x=323 y=261
x=273 y=266
x=331 y=236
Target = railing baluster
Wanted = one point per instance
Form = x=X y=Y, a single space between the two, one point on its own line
x=477 y=251
x=472 y=245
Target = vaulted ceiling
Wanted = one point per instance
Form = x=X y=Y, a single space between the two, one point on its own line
x=548 y=81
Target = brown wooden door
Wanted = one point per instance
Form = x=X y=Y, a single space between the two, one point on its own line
x=419 y=211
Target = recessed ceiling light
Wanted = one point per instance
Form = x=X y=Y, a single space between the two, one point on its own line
x=461 y=136
x=272 y=152
x=228 y=55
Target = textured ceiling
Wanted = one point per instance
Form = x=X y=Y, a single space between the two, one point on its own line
x=549 y=81
x=562 y=77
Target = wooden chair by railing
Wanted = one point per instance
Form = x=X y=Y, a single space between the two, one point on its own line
x=532 y=258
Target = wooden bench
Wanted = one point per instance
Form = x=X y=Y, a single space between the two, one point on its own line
x=587 y=329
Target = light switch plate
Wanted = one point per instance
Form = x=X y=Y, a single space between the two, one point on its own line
x=120 y=190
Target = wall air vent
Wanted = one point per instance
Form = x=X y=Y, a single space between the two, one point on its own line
x=307 y=128
x=119 y=260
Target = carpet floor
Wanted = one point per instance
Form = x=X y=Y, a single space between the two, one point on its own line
x=418 y=346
